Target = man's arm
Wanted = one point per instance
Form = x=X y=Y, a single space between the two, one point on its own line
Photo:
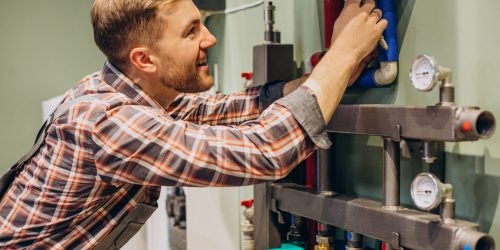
x=141 y=145
x=348 y=14
x=226 y=109
x=360 y=31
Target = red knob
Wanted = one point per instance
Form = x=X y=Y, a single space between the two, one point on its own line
x=466 y=126
x=247 y=203
x=247 y=75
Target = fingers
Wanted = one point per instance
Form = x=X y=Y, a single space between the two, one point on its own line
x=381 y=25
x=376 y=15
x=368 y=6
x=347 y=2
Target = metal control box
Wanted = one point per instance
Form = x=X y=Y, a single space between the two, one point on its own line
x=272 y=62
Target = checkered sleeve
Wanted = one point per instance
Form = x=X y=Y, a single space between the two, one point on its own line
x=222 y=109
x=141 y=145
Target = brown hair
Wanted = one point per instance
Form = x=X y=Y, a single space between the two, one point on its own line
x=121 y=24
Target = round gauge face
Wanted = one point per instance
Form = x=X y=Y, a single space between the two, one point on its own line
x=423 y=73
x=426 y=191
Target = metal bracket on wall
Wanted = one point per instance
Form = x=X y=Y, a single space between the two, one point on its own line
x=364 y=217
x=395 y=240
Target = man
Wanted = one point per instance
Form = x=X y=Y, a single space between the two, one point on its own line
x=136 y=126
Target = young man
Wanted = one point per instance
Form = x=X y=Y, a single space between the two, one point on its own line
x=136 y=126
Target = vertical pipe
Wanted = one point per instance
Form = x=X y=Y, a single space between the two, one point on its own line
x=448 y=205
x=310 y=183
x=391 y=173
x=324 y=184
x=324 y=173
x=269 y=22
x=447 y=89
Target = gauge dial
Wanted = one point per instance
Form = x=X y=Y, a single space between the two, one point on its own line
x=426 y=191
x=424 y=73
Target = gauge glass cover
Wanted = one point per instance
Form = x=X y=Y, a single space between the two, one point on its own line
x=426 y=191
x=424 y=73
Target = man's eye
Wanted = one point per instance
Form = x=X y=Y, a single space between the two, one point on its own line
x=191 y=31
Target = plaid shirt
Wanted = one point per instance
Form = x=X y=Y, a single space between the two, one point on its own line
x=125 y=145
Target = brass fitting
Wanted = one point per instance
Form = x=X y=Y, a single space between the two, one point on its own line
x=322 y=246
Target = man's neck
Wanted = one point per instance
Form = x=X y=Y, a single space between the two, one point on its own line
x=154 y=89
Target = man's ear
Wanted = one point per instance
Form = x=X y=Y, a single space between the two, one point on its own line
x=141 y=59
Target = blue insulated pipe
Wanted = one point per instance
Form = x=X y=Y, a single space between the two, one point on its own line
x=388 y=59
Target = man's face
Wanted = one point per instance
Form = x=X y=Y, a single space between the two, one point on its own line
x=183 y=52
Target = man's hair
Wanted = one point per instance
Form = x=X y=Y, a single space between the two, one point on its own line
x=121 y=24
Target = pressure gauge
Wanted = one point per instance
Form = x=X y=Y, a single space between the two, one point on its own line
x=427 y=191
x=424 y=73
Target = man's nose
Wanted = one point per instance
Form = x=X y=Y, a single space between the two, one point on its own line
x=209 y=40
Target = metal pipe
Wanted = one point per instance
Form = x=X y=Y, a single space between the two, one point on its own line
x=391 y=173
x=432 y=123
x=474 y=240
x=324 y=173
x=269 y=16
x=324 y=186
x=447 y=95
x=448 y=205
x=429 y=152
x=476 y=123
x=414 y=229
x=270 y=35
x=447 y=90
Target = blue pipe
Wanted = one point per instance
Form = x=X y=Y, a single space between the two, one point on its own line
x=367 y=78
x=390 y=33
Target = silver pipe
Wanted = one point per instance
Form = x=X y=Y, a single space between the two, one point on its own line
x=448 y=205
x=429 y=152
x=391 y=173
x=324 y=185
x=269 y=16
x=324 y=173
x=474 y=123
x=269 y=35
x=474 y=240
x=447 y=89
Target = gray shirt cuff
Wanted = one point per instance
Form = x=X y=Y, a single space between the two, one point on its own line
x=305 y=108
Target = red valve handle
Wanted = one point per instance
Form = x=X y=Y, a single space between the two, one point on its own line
x=247 y=203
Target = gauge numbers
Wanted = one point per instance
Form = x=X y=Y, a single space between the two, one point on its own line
x=426 y=191
x=424 y=73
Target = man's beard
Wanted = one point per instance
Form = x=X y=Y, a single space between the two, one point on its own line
x=183 y=78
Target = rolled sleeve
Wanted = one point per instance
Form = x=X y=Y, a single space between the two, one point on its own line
x=305 y=109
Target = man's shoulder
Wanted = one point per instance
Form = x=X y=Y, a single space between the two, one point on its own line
x=93 y=95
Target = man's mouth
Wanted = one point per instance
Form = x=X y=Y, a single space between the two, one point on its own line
x=201 y=63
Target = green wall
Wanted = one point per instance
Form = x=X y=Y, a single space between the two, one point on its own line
x=45 y=47
x=462 y=35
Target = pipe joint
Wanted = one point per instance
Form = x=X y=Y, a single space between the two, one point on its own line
x=387 y=73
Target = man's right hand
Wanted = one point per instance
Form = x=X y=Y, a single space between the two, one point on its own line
x=358 y=30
